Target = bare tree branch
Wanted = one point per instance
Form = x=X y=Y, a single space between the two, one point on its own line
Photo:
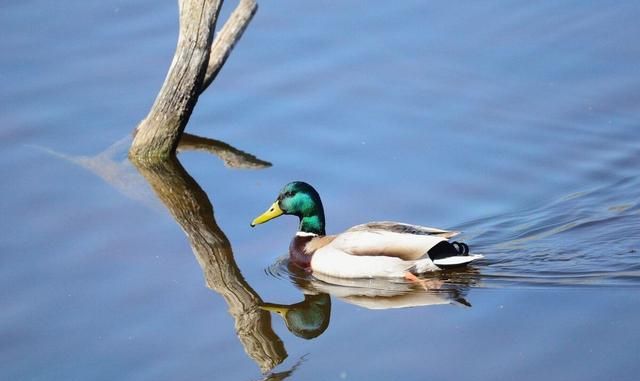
x=158 y=134
x=227 y=38
x=196 y=63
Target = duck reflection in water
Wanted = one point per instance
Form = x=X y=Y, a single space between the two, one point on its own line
x=307 y=319
x=310 y=317
x=382 y=294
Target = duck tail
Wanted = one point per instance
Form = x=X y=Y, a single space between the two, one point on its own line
x=451 y=254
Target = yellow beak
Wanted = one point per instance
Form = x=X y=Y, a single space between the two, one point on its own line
x=276 y=308
x=273 y=212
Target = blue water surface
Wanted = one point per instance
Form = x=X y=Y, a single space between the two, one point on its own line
x=516 y=122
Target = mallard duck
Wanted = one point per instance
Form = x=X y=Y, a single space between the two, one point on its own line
x=372 y=250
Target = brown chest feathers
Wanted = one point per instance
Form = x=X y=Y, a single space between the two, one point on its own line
x=302 y=248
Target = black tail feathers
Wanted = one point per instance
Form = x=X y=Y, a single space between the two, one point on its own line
x=462 y=248
x=446 y=249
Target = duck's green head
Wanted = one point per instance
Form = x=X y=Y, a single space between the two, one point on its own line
x=299 y=199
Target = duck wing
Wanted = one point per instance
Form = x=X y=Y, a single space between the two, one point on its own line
x=390 y=239
x=399 y=227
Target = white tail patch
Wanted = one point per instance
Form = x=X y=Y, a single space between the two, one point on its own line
x=457 y=260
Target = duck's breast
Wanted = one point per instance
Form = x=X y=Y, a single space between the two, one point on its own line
x=297 y=253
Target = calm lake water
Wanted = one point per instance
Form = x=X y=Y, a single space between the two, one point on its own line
x=516 y=122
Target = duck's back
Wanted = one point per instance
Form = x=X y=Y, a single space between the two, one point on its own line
x=393 y=239
x=400 y=227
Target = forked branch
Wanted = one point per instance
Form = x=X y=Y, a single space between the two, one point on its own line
x=196 y=62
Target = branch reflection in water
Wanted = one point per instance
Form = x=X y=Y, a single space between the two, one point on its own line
x=192 y=210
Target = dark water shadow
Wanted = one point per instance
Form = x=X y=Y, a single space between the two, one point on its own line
x=283 y=375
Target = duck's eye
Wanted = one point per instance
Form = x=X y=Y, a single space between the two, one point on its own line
x=288 y=194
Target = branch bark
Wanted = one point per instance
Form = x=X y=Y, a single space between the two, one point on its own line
x=196 y=63
x=159 y=133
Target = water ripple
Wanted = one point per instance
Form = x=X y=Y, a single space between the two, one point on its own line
x=588 y=237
